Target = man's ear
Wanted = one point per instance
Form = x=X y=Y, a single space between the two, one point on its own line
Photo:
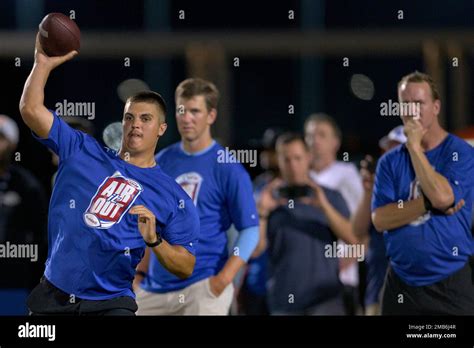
x=437 y=106
x=162 y=129
x=211 y=117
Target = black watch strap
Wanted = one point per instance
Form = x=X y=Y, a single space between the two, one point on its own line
x=141 y=273
x=154 y=244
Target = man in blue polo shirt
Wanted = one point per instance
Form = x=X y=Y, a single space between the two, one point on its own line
x=422 y=202
x=106 y=206
x=222 y=192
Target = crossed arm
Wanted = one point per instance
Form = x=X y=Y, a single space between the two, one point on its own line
x=434 y=186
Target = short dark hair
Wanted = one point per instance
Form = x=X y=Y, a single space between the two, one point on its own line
x=419 y=77
x=324 y=118
x=288 y=138
x=149 y=97
x=195 y=86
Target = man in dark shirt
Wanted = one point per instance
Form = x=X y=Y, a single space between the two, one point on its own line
x=302 y=221
x=23 y=235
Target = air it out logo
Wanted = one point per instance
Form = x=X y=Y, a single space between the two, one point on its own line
x=112 y=200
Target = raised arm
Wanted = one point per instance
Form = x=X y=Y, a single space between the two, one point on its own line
x=35 y=115
x=338 y=223
x=434 y=185
x=361 y=218
x=265 y=205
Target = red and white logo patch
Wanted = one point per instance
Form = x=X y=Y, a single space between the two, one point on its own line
x=191 y=183
x=112 y=200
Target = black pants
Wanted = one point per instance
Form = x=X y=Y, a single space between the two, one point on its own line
x=46 y=299
x=453 y=295
x=110 y=312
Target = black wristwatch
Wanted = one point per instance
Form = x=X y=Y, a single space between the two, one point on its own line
x=154 y=244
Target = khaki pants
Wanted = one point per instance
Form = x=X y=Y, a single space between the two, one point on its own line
x=373 y=309
x=196 y=299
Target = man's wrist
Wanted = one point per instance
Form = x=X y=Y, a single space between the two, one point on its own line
x=224 y=278
x=42 y=66
x=156 y=242
x=414 y=147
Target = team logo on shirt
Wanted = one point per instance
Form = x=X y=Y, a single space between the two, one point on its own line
x=415 y=192
x=191 y=183
x=112 y=200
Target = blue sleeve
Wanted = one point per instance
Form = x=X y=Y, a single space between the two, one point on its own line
x=384 y=190
x=183 y=226
x=239 y=198
x=62 y=139
x=247 y=242
x=459 y=172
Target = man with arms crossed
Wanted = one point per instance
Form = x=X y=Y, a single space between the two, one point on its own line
x=222 y=193
x=417 y=188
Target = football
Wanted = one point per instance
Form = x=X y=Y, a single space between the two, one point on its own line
x=59 y=35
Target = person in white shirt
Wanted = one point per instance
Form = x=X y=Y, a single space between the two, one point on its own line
x=323 y=136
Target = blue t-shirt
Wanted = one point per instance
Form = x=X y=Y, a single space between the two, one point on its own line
x=95 y=245
x=222 y=193
x=433 y=246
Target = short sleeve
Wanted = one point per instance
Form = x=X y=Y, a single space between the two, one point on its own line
x=239 y=198
x=183 y=226
x=384 y=190
x=62 y=139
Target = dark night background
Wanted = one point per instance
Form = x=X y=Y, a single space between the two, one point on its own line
x=261 y=88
